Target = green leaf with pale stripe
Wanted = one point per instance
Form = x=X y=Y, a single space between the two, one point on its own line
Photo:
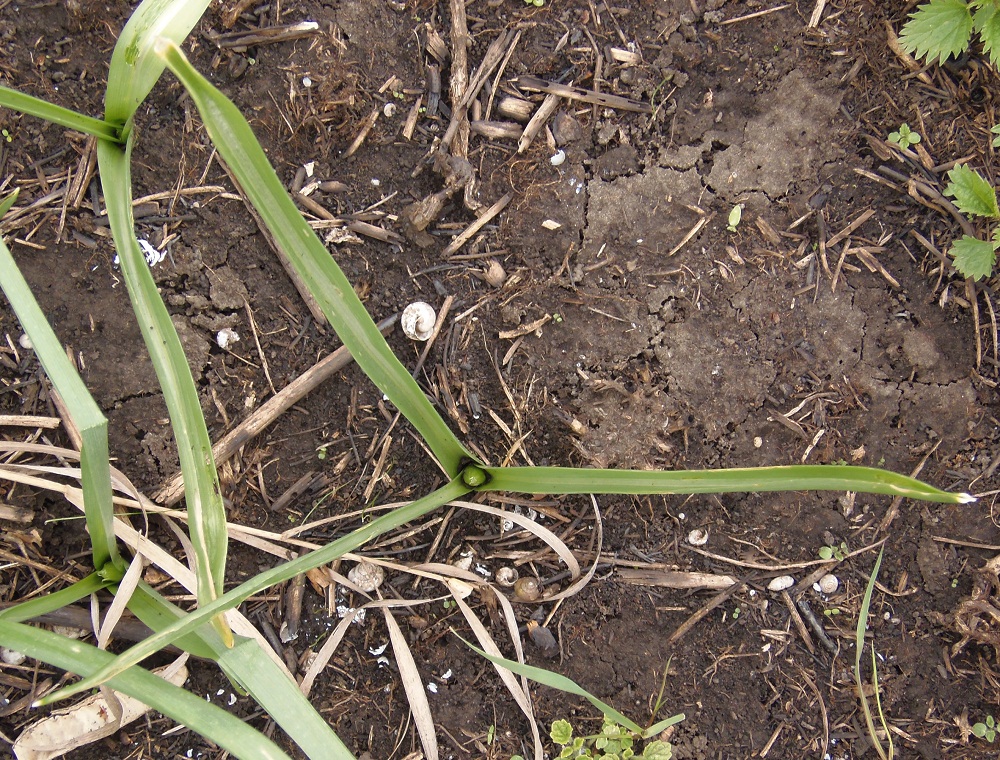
x=819 y=477
x=134 y=65
x=972 y=193
x=64 y=117
x=206 y=512
x=237 y=144
x=84 y=411
x=56 y=600
x=938 y=30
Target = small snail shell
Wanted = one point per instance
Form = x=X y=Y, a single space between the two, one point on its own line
x=698 y=537
x=527 y=590
x=366 y=576
x=506 y=576
x=828 y=584
x=418 y=321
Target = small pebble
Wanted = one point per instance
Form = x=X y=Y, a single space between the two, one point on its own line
x=781 y=583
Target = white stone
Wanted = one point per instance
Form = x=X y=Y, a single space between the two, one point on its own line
x=781 y=583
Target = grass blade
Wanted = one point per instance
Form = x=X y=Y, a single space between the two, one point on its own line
x=283 y=701
x=192 y=621
x=207 y=515
x=822 y=477
x=413 y=686
x=859 y=646
x=64 y=117
x=561 y=682
x=134 y=66
x=235 y=141
x=226 y=730
x=86 y=414
x=42 y=605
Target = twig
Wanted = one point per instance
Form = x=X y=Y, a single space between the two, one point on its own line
x=714 y=602
x=579 y=93
x=477 y=225
x=755 y=15
x=534 y=126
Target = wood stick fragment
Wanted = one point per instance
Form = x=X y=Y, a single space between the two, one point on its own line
x=675 y=579
x=497 y=130
x=411 y=118
x=477 y=225
x=269 y=411
x=712 y=603
x=366 y=127
x=585 y=96
x=29 y=421
x=265 y=35
x=533 y=127
x=518 y=109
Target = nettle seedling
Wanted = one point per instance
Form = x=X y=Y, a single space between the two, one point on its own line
x=904 y=137
x=974 y=196
x=614 y=741
x=986 y=729
x=838 y=553
x=942 y=29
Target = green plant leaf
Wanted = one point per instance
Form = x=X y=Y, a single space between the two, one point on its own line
x=859 y=646
x=7 y=203
x=206 y=512
x=237 y=144
x=64 y=117
x=979 y=730
x=974 y=257
x=226 y=730
x=84 y=411
x=42 y=605
x=250 y=667
x=658 y=751
x=134 y=65
x=986 y=21
x=972 y=193
x=562 y=732
x=561 y=682
x=194 y=620
x=938 y=30
x=821 y=477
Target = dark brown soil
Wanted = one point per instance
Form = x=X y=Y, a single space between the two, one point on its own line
x=772 y=343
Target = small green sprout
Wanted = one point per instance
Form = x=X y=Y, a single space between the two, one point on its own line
x=987 y=730
x=6 y=135
x=838 y=553
x=996 y=131
x=557 y=318
x=832 y=611
x=614 y=742
x=735 y=217
x=905 y=137
x=536 y=3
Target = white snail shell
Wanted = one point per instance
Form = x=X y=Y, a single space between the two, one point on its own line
x=418 y=321
x=506 y=576
x=828 y=584
x=698 y=537
x=366 y=576
x=781 y=583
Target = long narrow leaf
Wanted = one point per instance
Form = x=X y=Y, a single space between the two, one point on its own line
x=64 y=117
x=561 y=682
x=207 y=514
x=43 y=605
x=250 y=667
x=134 y=66
x=236 y=143
x=226 y=730
x=822 y=477
x=859 y=647
x=453 y=490
x=283 y=701
x=85 y=412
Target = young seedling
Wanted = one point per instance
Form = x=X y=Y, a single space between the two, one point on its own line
x=735 y=217
x=995 y=131
x=942 y=29
x=974 y=196
x=904 y=137
x=614 y=741
x=986 y=729
x=838 y=553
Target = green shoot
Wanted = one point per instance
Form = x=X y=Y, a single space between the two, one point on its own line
x=859 y=645
x=64 y=117
x=904 y=137
x=986 y=729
